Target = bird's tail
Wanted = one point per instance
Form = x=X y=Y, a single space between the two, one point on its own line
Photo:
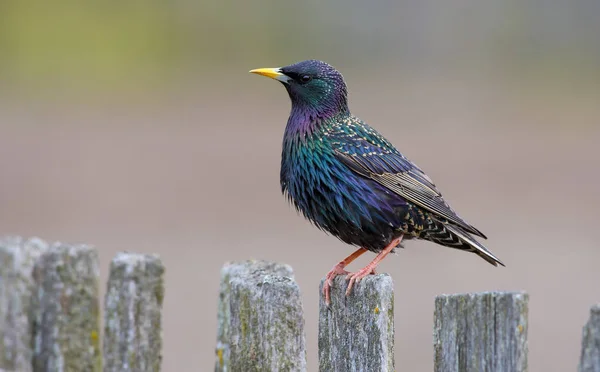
x=454 y=237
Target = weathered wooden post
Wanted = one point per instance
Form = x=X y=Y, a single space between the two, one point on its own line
x=260 y=319
x=481 y=332
x=17 y=290
x=590 y=345
x=132 y=314
x=67 y=336
x=356 y=332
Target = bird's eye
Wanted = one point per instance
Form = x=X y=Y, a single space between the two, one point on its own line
x=305 y=78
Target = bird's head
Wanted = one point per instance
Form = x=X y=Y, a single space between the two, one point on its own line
x=311 y=84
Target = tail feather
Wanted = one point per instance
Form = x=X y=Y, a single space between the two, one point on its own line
x=453 y=236
x=476 y=247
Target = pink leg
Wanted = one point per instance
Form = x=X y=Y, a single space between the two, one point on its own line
x=339 y=270
x=370 y=268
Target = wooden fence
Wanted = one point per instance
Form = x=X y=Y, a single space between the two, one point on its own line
x=261 y=326
x=50 y=319
x=50 y=312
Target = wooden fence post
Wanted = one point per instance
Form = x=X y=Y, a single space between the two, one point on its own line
x=67 y=335
x=260 y=319
x=17 y=290
x=481 y=332
x=132 y=314
x=356 y=333
x=590 y=345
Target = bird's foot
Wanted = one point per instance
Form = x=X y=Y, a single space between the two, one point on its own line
x=370 y=268
x=357 y=276
x=337 y=270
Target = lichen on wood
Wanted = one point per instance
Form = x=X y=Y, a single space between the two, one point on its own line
x=590 y=345
x=356 y=332
x=133 y=305
x=479 y=332
x=260 y=319
x=67 y=324
x=18 y=257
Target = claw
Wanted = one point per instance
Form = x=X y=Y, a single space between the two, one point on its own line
x=357 y=277
x=335 y=271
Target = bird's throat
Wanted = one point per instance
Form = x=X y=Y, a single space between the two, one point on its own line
x=307 y=119
x=302 y=123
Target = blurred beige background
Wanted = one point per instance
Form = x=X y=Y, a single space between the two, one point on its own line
x=135 y=126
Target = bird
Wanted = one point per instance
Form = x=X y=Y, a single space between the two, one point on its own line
x=351 y=182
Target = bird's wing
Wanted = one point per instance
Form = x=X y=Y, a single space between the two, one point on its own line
x=367 y=153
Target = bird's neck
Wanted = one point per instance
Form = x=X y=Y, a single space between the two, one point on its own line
x=305 y=120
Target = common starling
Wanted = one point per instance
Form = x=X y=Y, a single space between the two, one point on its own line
x=348 y=180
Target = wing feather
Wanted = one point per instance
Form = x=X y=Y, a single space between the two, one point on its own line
x=380 y=161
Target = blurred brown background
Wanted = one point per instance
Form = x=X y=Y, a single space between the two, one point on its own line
x=134 y=125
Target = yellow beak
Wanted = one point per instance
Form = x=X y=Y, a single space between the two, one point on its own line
x=273 y=73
